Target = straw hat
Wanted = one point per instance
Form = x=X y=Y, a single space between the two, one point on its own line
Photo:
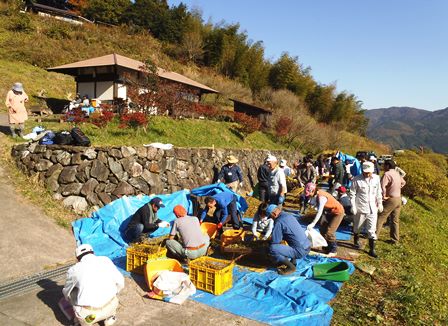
x=232 y=159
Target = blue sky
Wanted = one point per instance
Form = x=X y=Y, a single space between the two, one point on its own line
x=386 y=52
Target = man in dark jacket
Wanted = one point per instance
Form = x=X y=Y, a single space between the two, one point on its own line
x=263 y=175
x=231 y=174
x=145 y=221
x=337 y=174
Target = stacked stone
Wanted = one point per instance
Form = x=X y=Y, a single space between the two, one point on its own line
x=86 y=177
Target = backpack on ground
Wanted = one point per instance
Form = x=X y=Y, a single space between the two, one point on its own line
x=63 y=138
x=79 y=137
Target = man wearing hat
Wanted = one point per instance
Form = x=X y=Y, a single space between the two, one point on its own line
x=225 y=207
x=367 y=202
x=15 y=103
x=286 y=227
x=145 y=221
x=277 y=182
x=92 y=286
x=231 y=174
x=193 y=242
x=286 y=169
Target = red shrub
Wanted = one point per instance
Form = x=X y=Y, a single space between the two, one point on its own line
x=75 y=116
x=283 y=126
x=207 y=111
x=133 y=120
x=101 y=119
x=248 y=124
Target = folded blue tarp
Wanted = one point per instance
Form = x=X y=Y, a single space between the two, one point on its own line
x=296 y=299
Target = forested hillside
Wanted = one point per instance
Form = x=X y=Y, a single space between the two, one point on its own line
x=307 y=115
x=404 y=127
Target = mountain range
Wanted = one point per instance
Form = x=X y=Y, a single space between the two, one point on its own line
x=406 y=127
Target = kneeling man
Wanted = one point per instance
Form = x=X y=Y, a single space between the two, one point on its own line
x=193 y=243
x=286 y=227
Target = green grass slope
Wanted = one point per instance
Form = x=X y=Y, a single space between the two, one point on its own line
x=181 y=133
x=409 y=286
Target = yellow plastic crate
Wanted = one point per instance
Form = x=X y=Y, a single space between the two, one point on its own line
x=211 y=274
x=136 y=257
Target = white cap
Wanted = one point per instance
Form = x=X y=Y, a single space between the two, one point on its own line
x=372 y=158
x=368 y=167
x=82 y=249
x=282 y=162
x=18 y=87
x=271 y=158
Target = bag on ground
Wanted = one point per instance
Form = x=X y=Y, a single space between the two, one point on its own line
x=63 y=138
x=316 y=239
x=79 y=137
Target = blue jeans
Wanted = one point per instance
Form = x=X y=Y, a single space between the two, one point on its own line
x=178 y=250
x=279 y=252
x=133 y=233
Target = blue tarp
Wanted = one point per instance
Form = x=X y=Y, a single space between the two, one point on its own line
x=267 y=297
x=296 y=299
x=213 y=189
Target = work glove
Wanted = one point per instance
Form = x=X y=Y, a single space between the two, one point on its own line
x=380 y=208
x=281 y=200
x=310 y=226
x=163 y=224
x=219 y=225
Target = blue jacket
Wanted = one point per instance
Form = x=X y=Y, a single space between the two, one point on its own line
x=230 y=174
x=356 y=168
x=223 y=199
x=286 y=227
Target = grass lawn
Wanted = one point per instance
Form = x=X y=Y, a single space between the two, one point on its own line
x=181 y=133
x=409 y=285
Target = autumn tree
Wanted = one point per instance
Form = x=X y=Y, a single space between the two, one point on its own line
x=106 y=11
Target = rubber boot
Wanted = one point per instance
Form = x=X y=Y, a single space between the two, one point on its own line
x=290 y=268
x=372 y=252
x=332 y=249
x=356 y=241
x=13 y=131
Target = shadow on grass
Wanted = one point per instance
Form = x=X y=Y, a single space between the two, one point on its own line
x=237 y=133
x=423 y=204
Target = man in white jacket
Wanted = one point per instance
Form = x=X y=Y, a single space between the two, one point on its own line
x=367 y=202
x=277 y=182
x=92 y=286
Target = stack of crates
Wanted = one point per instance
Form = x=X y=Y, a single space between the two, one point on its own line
x=212 y=279
x=136 y=258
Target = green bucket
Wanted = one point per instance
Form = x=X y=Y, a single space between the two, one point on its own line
x=331 y=271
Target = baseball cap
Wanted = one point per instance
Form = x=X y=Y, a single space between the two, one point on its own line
x=367 y=167
x=157 y=201
x=342 y=189
x=282 y=162
x=270 y=209
x=271 y=158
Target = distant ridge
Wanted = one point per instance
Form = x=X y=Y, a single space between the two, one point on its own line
x=406 y=127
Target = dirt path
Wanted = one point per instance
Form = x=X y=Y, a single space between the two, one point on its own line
x=31 y=242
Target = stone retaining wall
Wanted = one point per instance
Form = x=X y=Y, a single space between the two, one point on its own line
x=85 y=177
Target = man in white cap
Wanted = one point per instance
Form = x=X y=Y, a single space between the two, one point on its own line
x=92 y=286
x=15 y=103
x=277 y=182
x=231 y=174
x=367 y=202
x=285 y=167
